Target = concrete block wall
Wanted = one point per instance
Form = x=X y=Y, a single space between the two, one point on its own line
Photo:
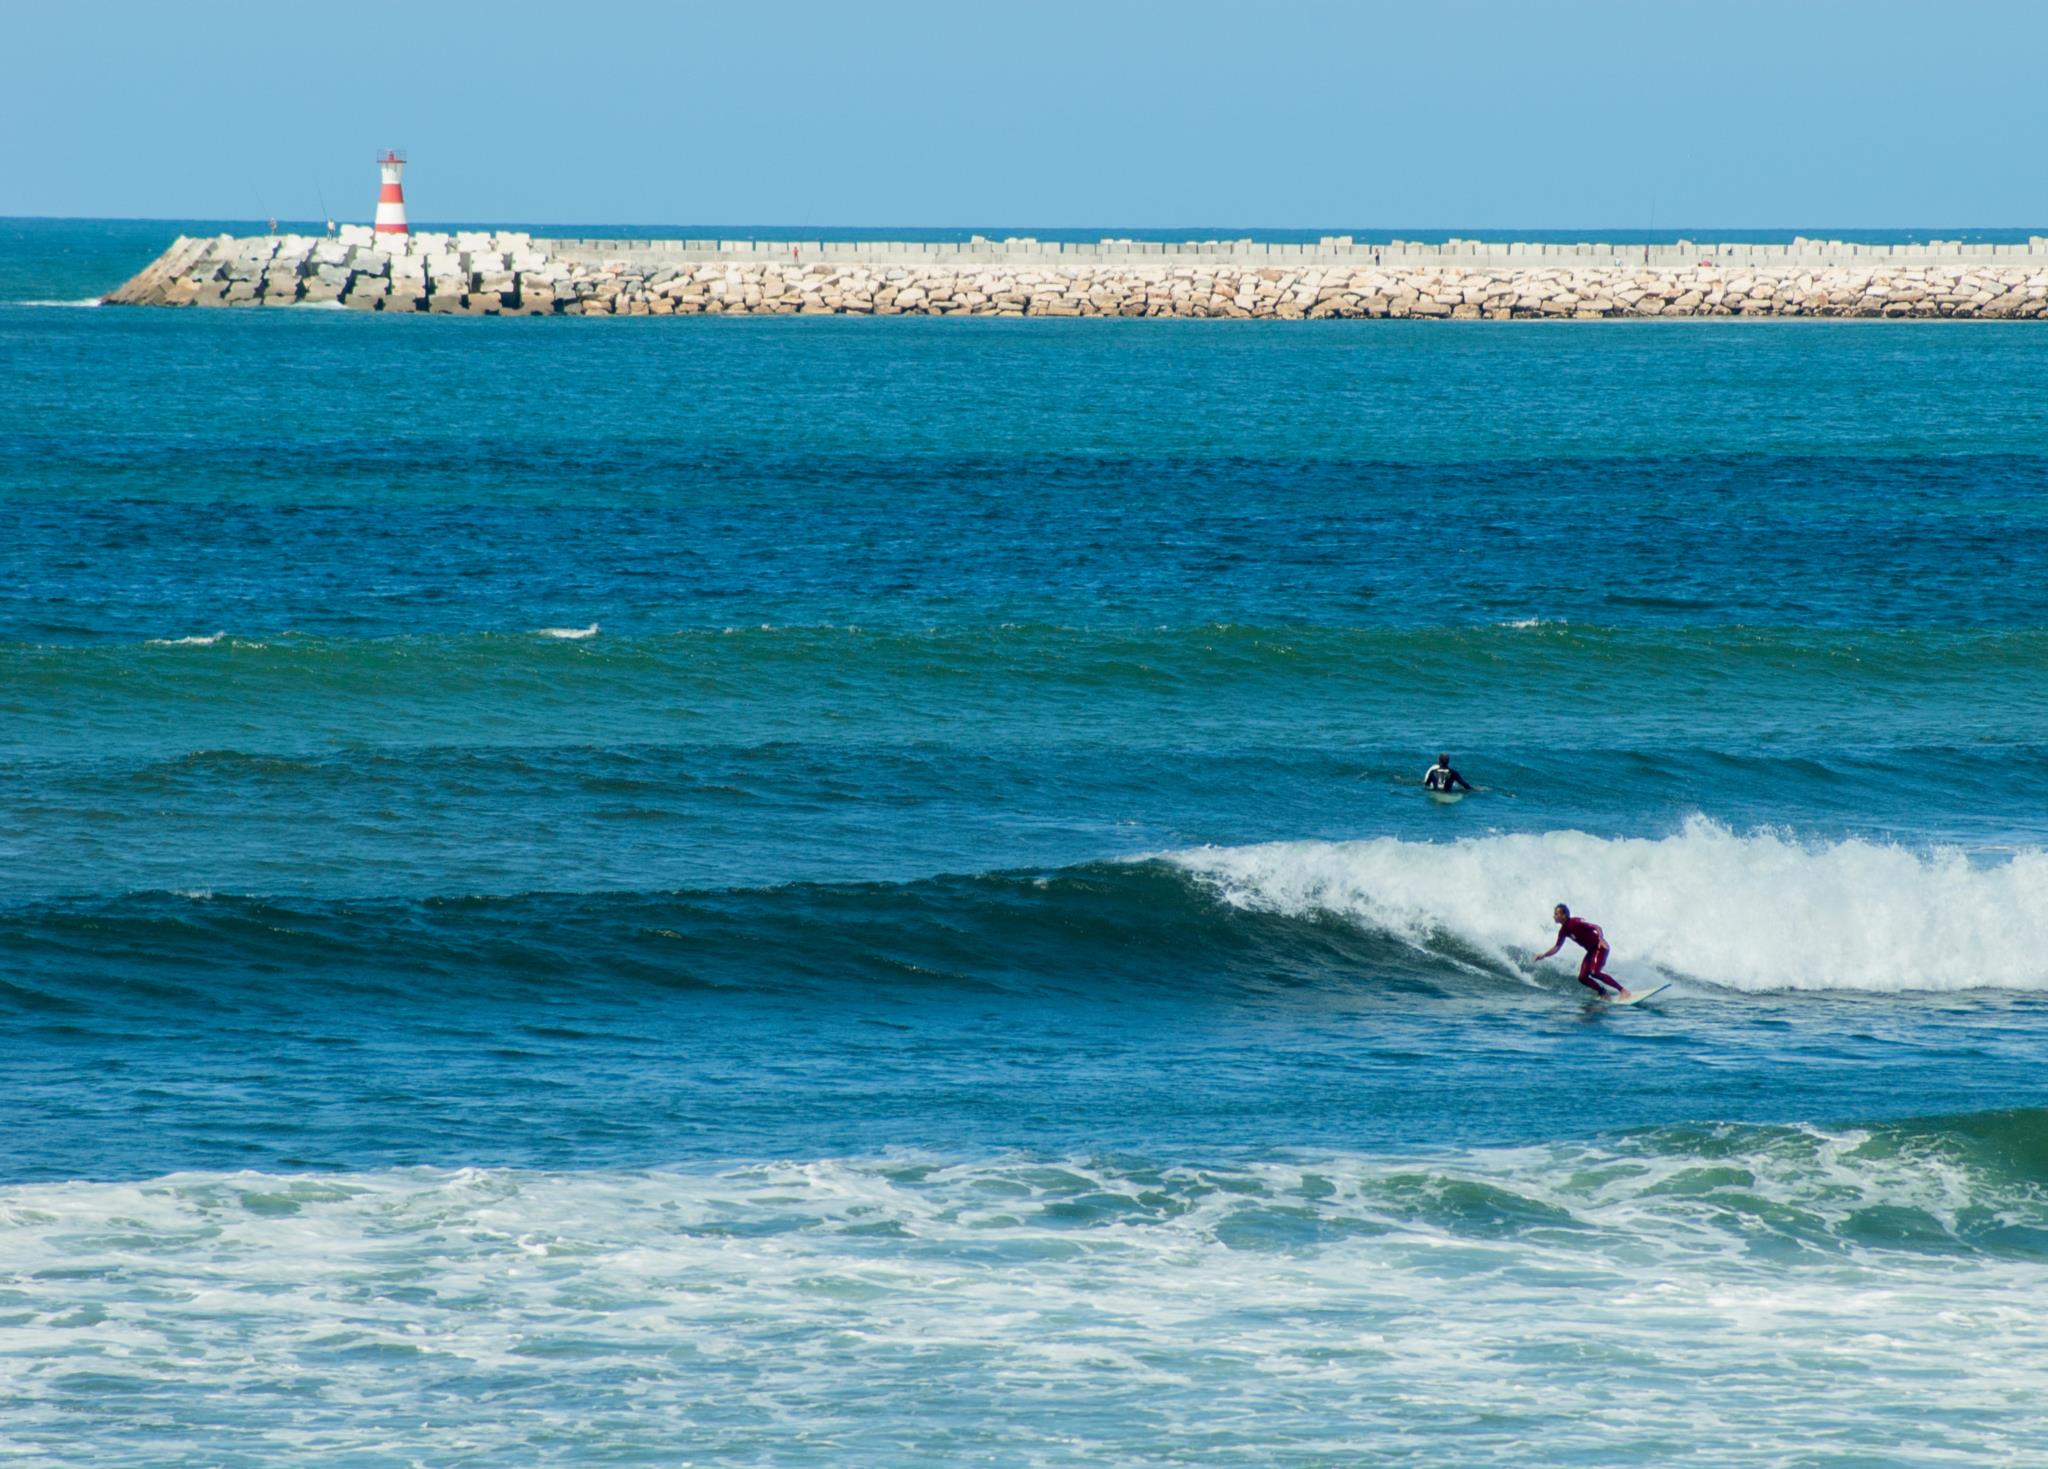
x=477 y=273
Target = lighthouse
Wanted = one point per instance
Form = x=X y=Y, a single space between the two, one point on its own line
x=391 y=198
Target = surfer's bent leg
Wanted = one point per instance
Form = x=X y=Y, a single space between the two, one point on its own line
x=1593 y=973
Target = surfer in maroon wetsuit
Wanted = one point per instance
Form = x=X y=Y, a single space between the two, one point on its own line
x=1593 y=968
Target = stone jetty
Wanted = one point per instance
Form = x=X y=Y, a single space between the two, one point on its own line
x=513 y=274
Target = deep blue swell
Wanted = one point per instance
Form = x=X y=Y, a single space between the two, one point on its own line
x=324 y=848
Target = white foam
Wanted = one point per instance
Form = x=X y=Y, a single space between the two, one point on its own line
x=1054 y=1312
x=81 y=304
x=200 y=640
x=1754 y=912
x=574 y=634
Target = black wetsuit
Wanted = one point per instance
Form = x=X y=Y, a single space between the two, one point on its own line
x=1443 y=778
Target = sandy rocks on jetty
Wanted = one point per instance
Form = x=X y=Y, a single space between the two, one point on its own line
x=516 y=274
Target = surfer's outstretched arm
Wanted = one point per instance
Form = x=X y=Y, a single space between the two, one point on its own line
x=1549 y=951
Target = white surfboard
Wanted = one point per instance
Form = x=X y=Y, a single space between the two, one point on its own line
x=1636 y=997
x=1446 y=798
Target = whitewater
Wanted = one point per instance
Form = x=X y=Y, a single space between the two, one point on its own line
x=1753 y=912
x=1480 y=1306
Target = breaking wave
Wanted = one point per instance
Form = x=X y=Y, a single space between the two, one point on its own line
x=1760 y=911
x=1755 y=912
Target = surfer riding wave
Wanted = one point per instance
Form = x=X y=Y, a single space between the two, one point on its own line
x=1593 y=968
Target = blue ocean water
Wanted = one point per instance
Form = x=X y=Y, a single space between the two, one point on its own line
x=857 y=893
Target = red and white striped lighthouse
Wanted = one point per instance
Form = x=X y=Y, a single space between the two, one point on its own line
x=391 y=198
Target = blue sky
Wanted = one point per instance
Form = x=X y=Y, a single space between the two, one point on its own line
x=1282 y=114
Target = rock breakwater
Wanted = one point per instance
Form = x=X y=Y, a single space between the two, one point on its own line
x=502 y=274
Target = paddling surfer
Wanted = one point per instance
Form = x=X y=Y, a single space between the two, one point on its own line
x=1441 y=777
x=1593 y=968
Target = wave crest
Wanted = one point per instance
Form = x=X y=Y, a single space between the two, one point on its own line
x=1759 y=911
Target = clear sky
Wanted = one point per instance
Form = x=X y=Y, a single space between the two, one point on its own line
x=1275 y=113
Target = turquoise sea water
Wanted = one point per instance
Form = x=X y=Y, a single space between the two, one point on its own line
x=847 y=892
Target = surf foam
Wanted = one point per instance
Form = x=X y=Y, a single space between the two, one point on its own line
x=1054 y=1311
x=1753 y=912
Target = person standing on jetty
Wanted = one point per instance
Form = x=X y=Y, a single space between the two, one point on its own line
x=1593 y=968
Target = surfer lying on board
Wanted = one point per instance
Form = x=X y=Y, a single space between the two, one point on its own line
x=1442 y=778
x=1593 y=968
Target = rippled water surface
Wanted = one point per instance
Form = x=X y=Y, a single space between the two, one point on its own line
x=826 y=892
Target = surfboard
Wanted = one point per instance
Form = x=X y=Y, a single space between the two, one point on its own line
x=1636 y=997
x=1445 y=798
